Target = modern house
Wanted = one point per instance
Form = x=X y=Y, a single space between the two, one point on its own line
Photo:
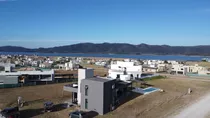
x=149 y=69
x=97 y=94
x=31 y=76
x=185 y=69
x=125 y=70
x=68 y=65
x=179 y=69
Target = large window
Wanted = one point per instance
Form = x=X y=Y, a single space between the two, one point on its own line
x=86 y=90
x=86 y=103
x=118 y=76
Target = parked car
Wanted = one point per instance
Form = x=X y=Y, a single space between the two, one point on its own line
x=78 y=114
x=48 y=106
x=12 y=112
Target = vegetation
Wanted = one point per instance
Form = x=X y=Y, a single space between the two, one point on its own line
x=116 y=48
x=154 y=78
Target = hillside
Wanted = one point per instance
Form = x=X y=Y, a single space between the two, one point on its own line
x=117 y=48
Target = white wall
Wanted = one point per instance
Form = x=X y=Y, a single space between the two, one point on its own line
x=83 y=74
x=118 y=68
x=179 y=68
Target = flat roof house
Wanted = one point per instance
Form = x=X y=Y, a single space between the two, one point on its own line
x=98 y=94
x=125 y=70
x=28 y=76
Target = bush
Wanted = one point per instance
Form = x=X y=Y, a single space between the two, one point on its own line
x=154 y=78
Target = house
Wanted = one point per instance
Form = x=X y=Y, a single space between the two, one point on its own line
x=97 y=94
x=149 y=69
x=162 y=67
x=31 y=76
x=125 y=71
x=45 y=65
x=70 y=65
x=179 y=69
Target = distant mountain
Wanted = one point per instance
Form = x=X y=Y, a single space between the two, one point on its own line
x=117 y=48
x=14 y=49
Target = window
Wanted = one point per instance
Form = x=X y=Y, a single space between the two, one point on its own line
x=113 y=86
x=86 y=90
x=118 y=76
x=131 y=76
x=86 y=103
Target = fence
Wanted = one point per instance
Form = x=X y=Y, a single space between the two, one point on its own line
x=149 y=76
x=197 y=75
x=37 y=83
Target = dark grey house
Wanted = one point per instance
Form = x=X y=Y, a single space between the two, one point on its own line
x=97 y=94
x=102 y=95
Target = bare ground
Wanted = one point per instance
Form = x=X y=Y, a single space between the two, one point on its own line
x=164 y=104
x=8 y=97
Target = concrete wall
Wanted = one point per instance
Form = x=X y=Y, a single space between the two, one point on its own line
x=83 y=74
x=8 y=68
x=95 y=96
x=8 y=79
x=109 y=93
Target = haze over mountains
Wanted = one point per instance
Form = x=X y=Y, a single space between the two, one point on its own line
x=116 y=48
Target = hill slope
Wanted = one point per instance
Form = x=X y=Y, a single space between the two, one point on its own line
x=119 y=48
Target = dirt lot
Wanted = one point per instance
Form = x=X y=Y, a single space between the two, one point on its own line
x=98 y=70
x=35 y=96
x=153 y=105
x=204 y=64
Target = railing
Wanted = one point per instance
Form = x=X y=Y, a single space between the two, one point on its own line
x=36 y=83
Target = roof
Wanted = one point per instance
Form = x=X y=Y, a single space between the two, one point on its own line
x=98 y=79
x=28 y=73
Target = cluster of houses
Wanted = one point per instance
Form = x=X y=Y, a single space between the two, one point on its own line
x=65 y=63
x=93 y=93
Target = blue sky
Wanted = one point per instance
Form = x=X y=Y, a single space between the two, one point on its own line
x=48 y=23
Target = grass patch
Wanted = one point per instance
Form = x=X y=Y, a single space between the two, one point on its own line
x=154 y=78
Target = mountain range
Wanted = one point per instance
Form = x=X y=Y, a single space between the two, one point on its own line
x=117 y=48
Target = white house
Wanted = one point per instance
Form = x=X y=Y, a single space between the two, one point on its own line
x=162 y=67
x=149 y=69
x=67 y=66
x=125 y=70
x=198 y=69
x=179 y=69
x=70 y=65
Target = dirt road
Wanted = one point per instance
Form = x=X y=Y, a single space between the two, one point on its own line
x=200 y=109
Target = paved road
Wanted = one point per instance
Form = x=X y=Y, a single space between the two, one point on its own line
x=200 y=109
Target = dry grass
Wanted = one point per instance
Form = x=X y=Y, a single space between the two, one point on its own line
x=98 y=70
x=153 y=105
x=159 y=104
x=204 y=64
x=8 y=97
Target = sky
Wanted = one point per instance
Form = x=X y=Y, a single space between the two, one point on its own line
x=49 y=23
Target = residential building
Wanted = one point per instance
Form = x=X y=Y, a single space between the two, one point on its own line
x=149 y=69
x=162 y=67
x=97 y=94
x=125 y=71
x=31 y=76
x=179 y=69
